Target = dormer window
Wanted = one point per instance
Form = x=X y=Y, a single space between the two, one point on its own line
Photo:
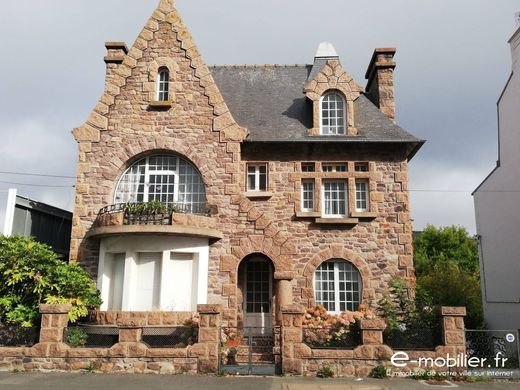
x=163 y=85
x=333 y=114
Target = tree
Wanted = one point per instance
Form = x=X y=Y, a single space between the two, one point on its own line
x=446 y=244
x=447 y=268
x=31 y=273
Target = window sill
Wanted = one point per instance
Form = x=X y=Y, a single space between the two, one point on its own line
x=308 y=214
x=258 y=194
x=338 y=221
x=160 y=104
x=363 y=214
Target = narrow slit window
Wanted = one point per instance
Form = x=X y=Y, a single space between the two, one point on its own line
x=361 y=196
x=308 y=195
x=163 y=90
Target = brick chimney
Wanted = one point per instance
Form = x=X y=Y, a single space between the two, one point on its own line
x=380 y=85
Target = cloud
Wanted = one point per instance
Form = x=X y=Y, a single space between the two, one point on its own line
x=453 y=61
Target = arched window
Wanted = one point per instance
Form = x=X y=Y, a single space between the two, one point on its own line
x=333 y=114
x=163 y=85
x=169 y=179
x=337 y=285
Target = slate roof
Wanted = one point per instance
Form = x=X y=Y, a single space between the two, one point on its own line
x=269 y=102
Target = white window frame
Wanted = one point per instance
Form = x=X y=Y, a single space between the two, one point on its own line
x=176 y=173
x=334 y=167
x=313 y=197
x=338 y=130
x=308 y=167
x=163 y=86
x=354 y=304
x=257 y=175
x=362 y=165
x=365 y=198
x=323 y=200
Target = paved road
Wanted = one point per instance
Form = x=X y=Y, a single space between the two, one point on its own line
x=57 y=381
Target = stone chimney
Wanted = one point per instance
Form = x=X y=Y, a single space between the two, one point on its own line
x=380 y=85
x=116 y=52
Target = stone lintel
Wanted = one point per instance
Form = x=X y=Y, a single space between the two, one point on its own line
x=114 y=60
x=209 y=309
x=284 y=275
x=110 y=45
x=454 y=311
x=292 y=309
x=55 y=309
x=373 y=324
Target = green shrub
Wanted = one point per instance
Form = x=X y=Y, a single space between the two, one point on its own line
x=378 y=372
x=76 y=337
x=325 y=372
x=31 y=274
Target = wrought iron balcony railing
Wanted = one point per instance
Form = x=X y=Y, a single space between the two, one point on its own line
x=152 y=214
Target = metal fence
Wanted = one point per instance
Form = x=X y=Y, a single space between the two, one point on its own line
x=250 y=350
x=419 y=339
x=331 y=338
x=91 y=336
x=18 y=336
x=493 y=346
x=170 y=337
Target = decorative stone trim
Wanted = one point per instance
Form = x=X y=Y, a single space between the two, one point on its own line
x=336 y=251
x=258 y=194
x=338 y=221
x=333 y=77
x=159 y=104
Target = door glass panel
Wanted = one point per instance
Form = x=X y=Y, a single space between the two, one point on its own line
x=257 y=287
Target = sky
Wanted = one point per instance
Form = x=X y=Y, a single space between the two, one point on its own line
x=452 y=63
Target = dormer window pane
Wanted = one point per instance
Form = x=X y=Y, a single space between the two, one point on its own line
x=332 y=114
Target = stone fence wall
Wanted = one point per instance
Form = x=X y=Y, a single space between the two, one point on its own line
x=131 y=355
x=300 y=359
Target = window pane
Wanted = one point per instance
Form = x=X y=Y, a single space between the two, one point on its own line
x=308 y=195
x=347 y=293
x=335 y=198
x=361 y=195
x=333 y=114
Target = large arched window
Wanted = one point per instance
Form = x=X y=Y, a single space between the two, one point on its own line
x=337 y=285
x=169 y=179
x=163 y=85
x=333 y=114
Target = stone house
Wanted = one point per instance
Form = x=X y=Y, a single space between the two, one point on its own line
x=284 y=184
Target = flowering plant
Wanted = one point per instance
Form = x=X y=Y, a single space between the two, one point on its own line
x=327 y=330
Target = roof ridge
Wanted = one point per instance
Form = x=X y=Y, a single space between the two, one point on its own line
x=260 y=66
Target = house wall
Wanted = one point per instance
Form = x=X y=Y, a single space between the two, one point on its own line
x=497 y=213
x=124 y=126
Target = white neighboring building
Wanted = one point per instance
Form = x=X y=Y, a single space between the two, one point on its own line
x=497 y=210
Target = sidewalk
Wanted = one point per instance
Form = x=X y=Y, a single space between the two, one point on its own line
x=59 y=381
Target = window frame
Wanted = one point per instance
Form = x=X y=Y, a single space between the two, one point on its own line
x=308 y=167
x=366 y=191
x=257 y=176
x=346 y=198
x=339 y=131
x=313 y=198
x=334 y=167
x=163 y=86
x=336 y=282
x=176 y=173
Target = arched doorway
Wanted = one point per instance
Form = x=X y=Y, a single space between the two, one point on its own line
x=255 y=281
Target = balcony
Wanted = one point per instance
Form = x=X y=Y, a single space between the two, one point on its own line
x=193 y=220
